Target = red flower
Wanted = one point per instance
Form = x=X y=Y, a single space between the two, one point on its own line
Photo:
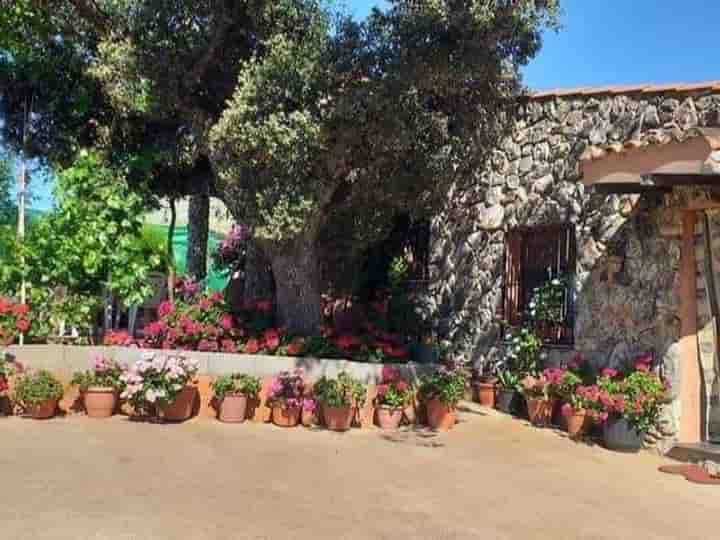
x=263 y=306
x=640 y=366
x=228 y=346
x=20 y=310
x=271 y=338
x=252 y=346
x=216 y=297
x=382 y=389
x=204 y=303
x=389 y=374
x=5 y=305
x=394 y=352
x=226 y=321
x=22 y=324
x=295 y=348
x=401 y=386
x=346 y=342
x=207 y=345
x=3 y=384
x=609 y=372
x=326 y=331
x=166 y=308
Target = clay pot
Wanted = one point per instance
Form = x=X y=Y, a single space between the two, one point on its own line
x=486 y=393
x=505 y=400
x=440 y=416
x=181 y=408
x=308 y=418
x=540 y=410
x=620 y=436
x=338 y=418
x=233 y=408
x=576 y=423
x=285 y=416
x=43 y=410
x=100 y=402
x=389 y=417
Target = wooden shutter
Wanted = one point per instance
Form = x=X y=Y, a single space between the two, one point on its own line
x=513 y=278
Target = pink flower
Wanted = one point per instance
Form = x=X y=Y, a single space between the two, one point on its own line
x=263 y=306
x=566 y=410
x=271 y=338
x=166 y=308
x=389 y=374
x=20 y=310
x=204 y=303
x=207 y=345
x=252 y=346
x=402 y=386
x=216 y=297
x=609 y=372
x=346 y=342
x=382 y=390
x=22 y=324
x=228 y=346
x=226 y=321
x=295 y=348
x=640 y=366
x=309 y=404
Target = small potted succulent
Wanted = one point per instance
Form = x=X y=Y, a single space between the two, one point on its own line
x=508 y=389
x=541 y=395
x=159 y=386
x=393 y=396
x=339 y=398
x=38 y=393
x=100 y=387
x=232 y=392
x=441 y=391
x=286 y=397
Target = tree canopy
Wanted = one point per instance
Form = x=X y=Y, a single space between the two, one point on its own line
x=301 y=118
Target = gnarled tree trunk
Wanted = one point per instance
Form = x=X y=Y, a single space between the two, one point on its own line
x=296 y=270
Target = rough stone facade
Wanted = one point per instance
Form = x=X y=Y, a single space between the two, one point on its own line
x=534 y=179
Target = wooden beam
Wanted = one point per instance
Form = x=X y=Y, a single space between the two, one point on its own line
x=691 y=430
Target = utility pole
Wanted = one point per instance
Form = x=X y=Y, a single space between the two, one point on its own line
x=22 y=202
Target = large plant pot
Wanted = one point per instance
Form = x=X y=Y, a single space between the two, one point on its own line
x=620 y=436
x=43 y=410
x=100 y=402
x=285 y=416
x=389 y=417
x=505 y=400
x=440 y=416
x=181 y=408
x=577 y=423
x=233 y=409
x=540 y=410
x=486 y=393
x=338 y=418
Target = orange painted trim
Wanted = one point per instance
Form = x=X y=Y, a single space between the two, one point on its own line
x=691 y=430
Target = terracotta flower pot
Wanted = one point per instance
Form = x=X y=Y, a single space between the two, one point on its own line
x=440 y=416
x=338 y=418
x=181 y=408
x=577 y=423
x=285 y=416
x=308 y=418
x=540 y=410
x=621 y=436
x=44 y=409
x=389 y=417
x=100 y=402
x=233 y=408
x=505 y=400
x=486 y=392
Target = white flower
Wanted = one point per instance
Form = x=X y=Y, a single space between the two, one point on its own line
x=555 y=281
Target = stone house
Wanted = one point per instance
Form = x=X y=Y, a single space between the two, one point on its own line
x=613 y=189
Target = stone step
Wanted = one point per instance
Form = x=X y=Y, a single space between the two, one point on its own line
x=694 y=453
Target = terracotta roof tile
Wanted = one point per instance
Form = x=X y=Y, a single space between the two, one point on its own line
x=627 y=89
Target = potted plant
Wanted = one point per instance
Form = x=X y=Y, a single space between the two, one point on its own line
x=231 y=392
x=7 y=369
x=485 y=384
x=38 y=393
x=100 y=386
x=630 y=406
x=508 y=389
x=441 y=391
x=577 y=410
x=285 y=397
x=541 y=395
x=157 y=386
x=309 y=412
x=339 y=398
x=566 y=394
x=393 y=396
x=15 y=319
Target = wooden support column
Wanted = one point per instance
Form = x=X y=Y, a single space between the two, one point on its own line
x=691 y=429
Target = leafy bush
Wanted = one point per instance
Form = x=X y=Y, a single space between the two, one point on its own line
x=236 y=384
x=524 y=351
x=446 y=384
x=36 y=387
x=393 y=391
x=344 y=391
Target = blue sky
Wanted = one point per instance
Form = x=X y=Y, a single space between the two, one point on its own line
x=611 y=42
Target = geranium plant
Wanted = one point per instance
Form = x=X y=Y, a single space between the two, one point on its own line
x=236 y=384
x=157 y=378
x=547 y=385
x=36 y=387
x=14 y=320
x=287 y=389
x=343 y=391
x=393 y=391
x=105 y=373
x=7 y=369
x=446 y=384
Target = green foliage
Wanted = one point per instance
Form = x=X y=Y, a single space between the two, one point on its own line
x=236 y=384
x=524 y=351
x=341 y=392
x=36 y=387
x=509 y=380
x=446 y=384
x=548 y=301
x=105 y=373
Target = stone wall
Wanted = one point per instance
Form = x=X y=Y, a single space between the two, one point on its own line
x=533 y=179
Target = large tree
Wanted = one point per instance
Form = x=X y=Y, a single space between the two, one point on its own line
x=304 y=121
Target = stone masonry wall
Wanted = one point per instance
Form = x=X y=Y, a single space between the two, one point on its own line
x=533 y=179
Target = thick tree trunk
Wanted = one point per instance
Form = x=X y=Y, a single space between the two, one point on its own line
x=296 y=271
x=198 y=226
x=258 y=279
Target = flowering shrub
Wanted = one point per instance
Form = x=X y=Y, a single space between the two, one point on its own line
x=119 y=338
x=105 y=373
x=393 y=391
x=341 y=392
x=446 y=384
x=156 y=378
x=236 y=384
x=14 y=320
x=546 y=385
x=287 y=389
x=524 y=351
